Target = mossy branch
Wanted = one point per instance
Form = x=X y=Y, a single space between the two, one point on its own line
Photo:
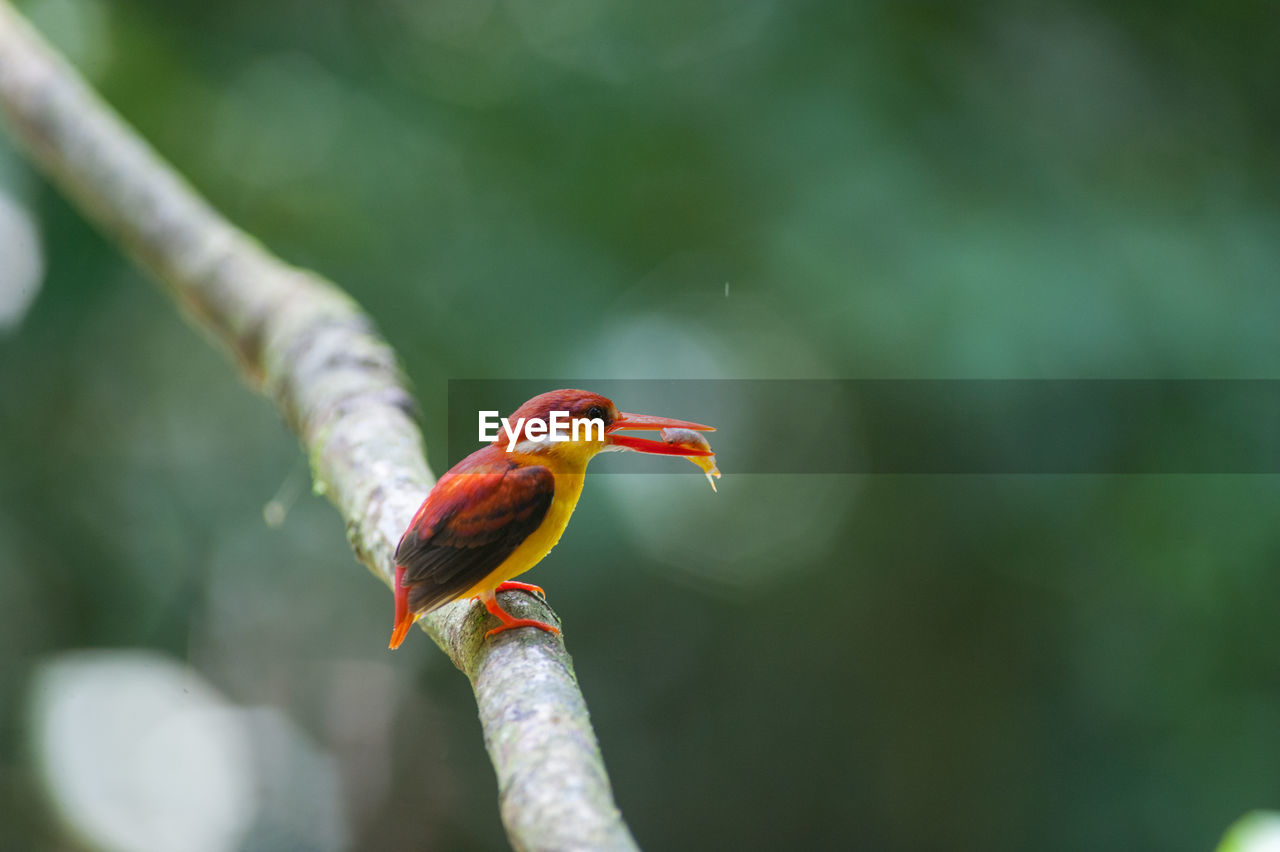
x=306 y=345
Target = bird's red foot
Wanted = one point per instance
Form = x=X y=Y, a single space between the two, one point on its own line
x=523 y=622
x=509 y=621
x=513 y=586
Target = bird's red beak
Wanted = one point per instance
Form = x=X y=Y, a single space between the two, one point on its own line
x=651 y=423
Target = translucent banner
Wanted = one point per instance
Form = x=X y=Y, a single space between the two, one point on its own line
x=877 y=426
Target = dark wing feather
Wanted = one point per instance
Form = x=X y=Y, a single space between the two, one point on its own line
x=469 y=524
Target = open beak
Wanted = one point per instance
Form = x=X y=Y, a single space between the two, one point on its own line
x=651 y=423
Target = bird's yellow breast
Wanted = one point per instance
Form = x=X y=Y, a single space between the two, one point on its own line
x=539 y=543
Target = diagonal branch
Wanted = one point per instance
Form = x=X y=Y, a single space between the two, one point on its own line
x=305 y=344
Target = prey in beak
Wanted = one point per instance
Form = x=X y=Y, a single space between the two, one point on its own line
x=651 y=423
x=687 y=439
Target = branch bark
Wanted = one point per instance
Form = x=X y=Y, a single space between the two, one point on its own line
x=305 y=344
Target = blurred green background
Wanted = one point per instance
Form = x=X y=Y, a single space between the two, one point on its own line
x=748 y=189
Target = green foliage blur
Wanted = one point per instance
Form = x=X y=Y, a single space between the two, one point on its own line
x=750 y=189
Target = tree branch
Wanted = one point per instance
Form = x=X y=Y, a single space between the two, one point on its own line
x=305 y=344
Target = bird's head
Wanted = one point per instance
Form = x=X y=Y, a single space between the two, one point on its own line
x=588 y=423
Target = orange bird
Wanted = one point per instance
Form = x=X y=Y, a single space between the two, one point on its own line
x=500 y=510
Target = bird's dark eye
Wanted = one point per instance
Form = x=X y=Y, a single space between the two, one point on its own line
x=595 y=412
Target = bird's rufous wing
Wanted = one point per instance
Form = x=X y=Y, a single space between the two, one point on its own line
x=469 y=524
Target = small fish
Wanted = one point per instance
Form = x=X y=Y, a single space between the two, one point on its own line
x=694 y=440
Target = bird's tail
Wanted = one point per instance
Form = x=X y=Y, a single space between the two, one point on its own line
x=404 y=618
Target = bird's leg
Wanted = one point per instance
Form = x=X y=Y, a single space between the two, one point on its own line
x=513 y=586
x=490 y=601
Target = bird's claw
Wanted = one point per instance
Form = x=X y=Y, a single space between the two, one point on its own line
x=513 y=586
